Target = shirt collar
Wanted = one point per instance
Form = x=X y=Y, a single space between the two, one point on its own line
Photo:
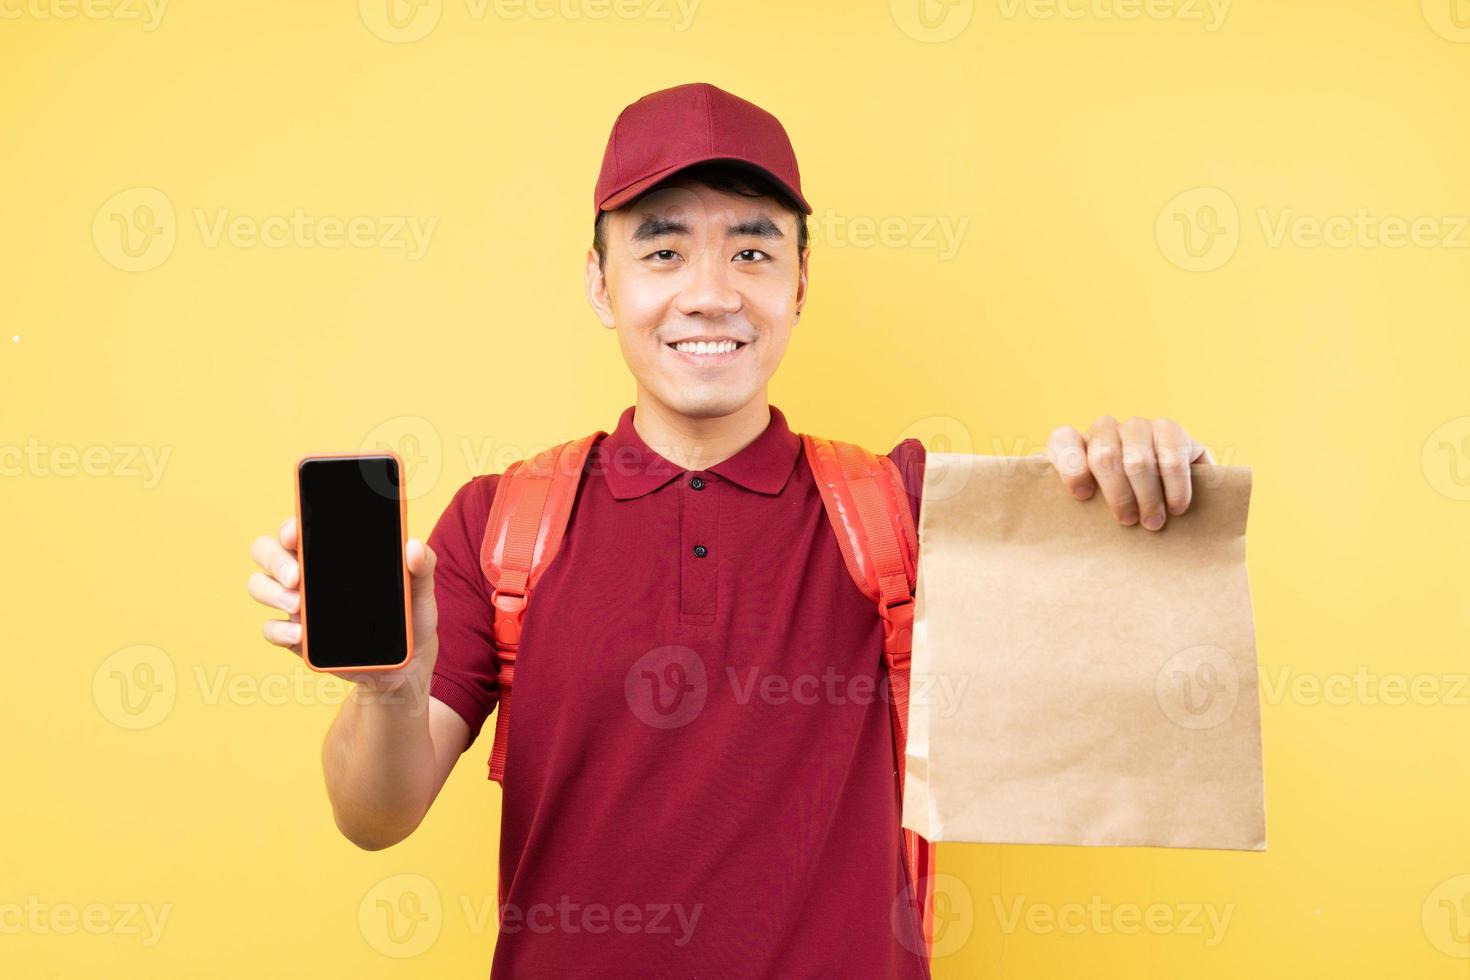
x=633 y=468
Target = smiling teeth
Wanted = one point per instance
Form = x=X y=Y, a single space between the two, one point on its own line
x=703 y=347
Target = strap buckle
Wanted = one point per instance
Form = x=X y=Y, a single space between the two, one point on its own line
x=509 y=609
x=898 y=628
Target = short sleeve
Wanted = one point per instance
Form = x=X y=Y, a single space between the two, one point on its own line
x=909 y=456
x=466 y=671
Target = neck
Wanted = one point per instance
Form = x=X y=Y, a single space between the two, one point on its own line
x=698 y=442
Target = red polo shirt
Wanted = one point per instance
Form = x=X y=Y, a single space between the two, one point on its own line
x=700 y=778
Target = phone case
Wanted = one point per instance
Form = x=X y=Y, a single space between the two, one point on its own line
x=403 y=550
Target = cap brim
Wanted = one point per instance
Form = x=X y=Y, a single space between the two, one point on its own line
x=621 y=197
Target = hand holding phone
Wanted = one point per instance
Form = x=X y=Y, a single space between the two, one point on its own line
x=358 y=594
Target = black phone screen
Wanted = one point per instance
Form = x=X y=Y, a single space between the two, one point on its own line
x=352 y=561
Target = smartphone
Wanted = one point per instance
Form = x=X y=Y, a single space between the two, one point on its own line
x=351 y=519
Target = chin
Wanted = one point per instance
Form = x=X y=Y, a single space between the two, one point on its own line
x=706 y=403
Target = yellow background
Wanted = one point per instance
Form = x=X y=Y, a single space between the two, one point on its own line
x=1060 y=144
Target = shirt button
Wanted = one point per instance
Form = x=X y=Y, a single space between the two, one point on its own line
x=700 y=551
x=697 y=483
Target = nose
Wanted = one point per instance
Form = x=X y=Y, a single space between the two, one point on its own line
x=709 y=289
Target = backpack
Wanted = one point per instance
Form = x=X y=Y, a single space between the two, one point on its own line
x=864 y=498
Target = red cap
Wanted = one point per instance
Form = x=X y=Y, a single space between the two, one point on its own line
x=677 y=127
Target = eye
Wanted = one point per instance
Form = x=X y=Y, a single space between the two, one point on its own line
x=752 y=251
x=663 y=255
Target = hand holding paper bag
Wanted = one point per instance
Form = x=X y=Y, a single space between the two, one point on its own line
x=1099 y=685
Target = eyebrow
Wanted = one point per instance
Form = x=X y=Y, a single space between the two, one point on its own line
x=652 y=226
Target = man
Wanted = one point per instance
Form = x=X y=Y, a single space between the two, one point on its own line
x=672 y=805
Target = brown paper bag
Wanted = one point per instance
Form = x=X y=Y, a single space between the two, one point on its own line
x=1076 y=681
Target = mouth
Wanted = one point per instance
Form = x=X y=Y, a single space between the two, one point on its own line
x=709 y=354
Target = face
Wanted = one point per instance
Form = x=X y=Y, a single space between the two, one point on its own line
x=686 y=262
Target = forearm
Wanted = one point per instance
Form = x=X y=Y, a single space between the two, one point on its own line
x=378 y=760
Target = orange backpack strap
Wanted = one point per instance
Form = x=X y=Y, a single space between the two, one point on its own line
x=865 y=500
x=533 y=503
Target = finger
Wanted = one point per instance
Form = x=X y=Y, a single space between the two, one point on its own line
x=1175 y=451
x=288 y=534
x=267 y=590
x=285 y=633
x=1141 y=466
x=421 y=561
x=1068 y=454
x=275 y=559
x=1105 y=459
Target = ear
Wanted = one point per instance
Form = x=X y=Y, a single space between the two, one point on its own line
x=597 y=291
x=801 y=279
